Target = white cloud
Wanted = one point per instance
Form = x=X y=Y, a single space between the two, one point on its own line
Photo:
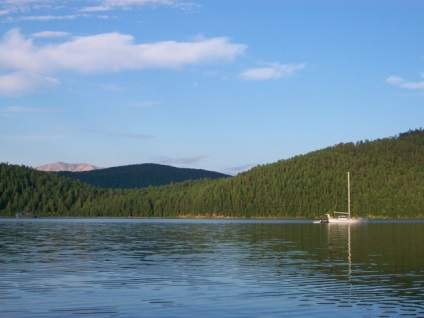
x=50 y=34
x=273 y=71
x=24 y=65
x=400 y=82
x=117 y=52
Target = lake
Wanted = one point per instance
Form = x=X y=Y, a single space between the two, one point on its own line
x=209 y=268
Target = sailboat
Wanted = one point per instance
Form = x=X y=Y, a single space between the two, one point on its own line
x=344 y=217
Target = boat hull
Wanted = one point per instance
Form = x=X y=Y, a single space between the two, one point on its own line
x=346 y=221
x=343 y=219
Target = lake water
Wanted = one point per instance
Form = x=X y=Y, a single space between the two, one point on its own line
x=209 y=268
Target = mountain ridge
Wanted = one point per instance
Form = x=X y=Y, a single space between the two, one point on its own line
x=140 y=175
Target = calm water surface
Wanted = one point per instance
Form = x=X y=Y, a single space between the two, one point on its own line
x=201 y=268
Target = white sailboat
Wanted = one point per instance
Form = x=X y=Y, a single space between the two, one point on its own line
x=344 y=217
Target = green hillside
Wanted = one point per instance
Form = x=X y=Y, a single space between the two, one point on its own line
x=387 y=180
x=24 y=189
x=140 y=176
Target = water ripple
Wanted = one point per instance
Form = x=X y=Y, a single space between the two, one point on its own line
x=110 y=268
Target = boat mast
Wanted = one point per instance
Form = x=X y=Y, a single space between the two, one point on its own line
x=348 y=195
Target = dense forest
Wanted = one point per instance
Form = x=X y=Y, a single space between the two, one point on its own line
x=387 y=180
x=140 y=176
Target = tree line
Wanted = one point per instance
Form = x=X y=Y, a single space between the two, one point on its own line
x=387 y=180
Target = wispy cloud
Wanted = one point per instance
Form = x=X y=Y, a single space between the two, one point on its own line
x=272 y=71
x=17 y=82
x=8 y=7
x=144 y=104
x=20 y=109
x=122 y=134
x=236 y=170
x=133 y=135
x=400 y=82
x=50 y=34
x=28 y=2
x=26 y=10
x=11 y=6
x=185 y=161
x=111 y=87
x=32 y=138
x=25 y=65
x=51 y=17
x=107 y=5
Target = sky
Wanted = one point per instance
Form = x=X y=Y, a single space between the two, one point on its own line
x=222 y=85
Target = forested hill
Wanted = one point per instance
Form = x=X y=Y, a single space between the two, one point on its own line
x=140 y=176
x=387 y=180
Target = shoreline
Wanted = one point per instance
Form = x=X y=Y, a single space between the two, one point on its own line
x=200 y=217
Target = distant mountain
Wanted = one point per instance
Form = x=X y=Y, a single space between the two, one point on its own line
x=63 y=166
x=140 y=176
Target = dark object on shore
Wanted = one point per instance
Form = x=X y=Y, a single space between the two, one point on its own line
x=26 y=215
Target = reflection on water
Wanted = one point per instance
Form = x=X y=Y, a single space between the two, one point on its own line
x=209 y=267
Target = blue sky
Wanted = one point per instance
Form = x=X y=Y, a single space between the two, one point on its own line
x=217 y=85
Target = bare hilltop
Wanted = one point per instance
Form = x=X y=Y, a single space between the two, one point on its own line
x=63 y=166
